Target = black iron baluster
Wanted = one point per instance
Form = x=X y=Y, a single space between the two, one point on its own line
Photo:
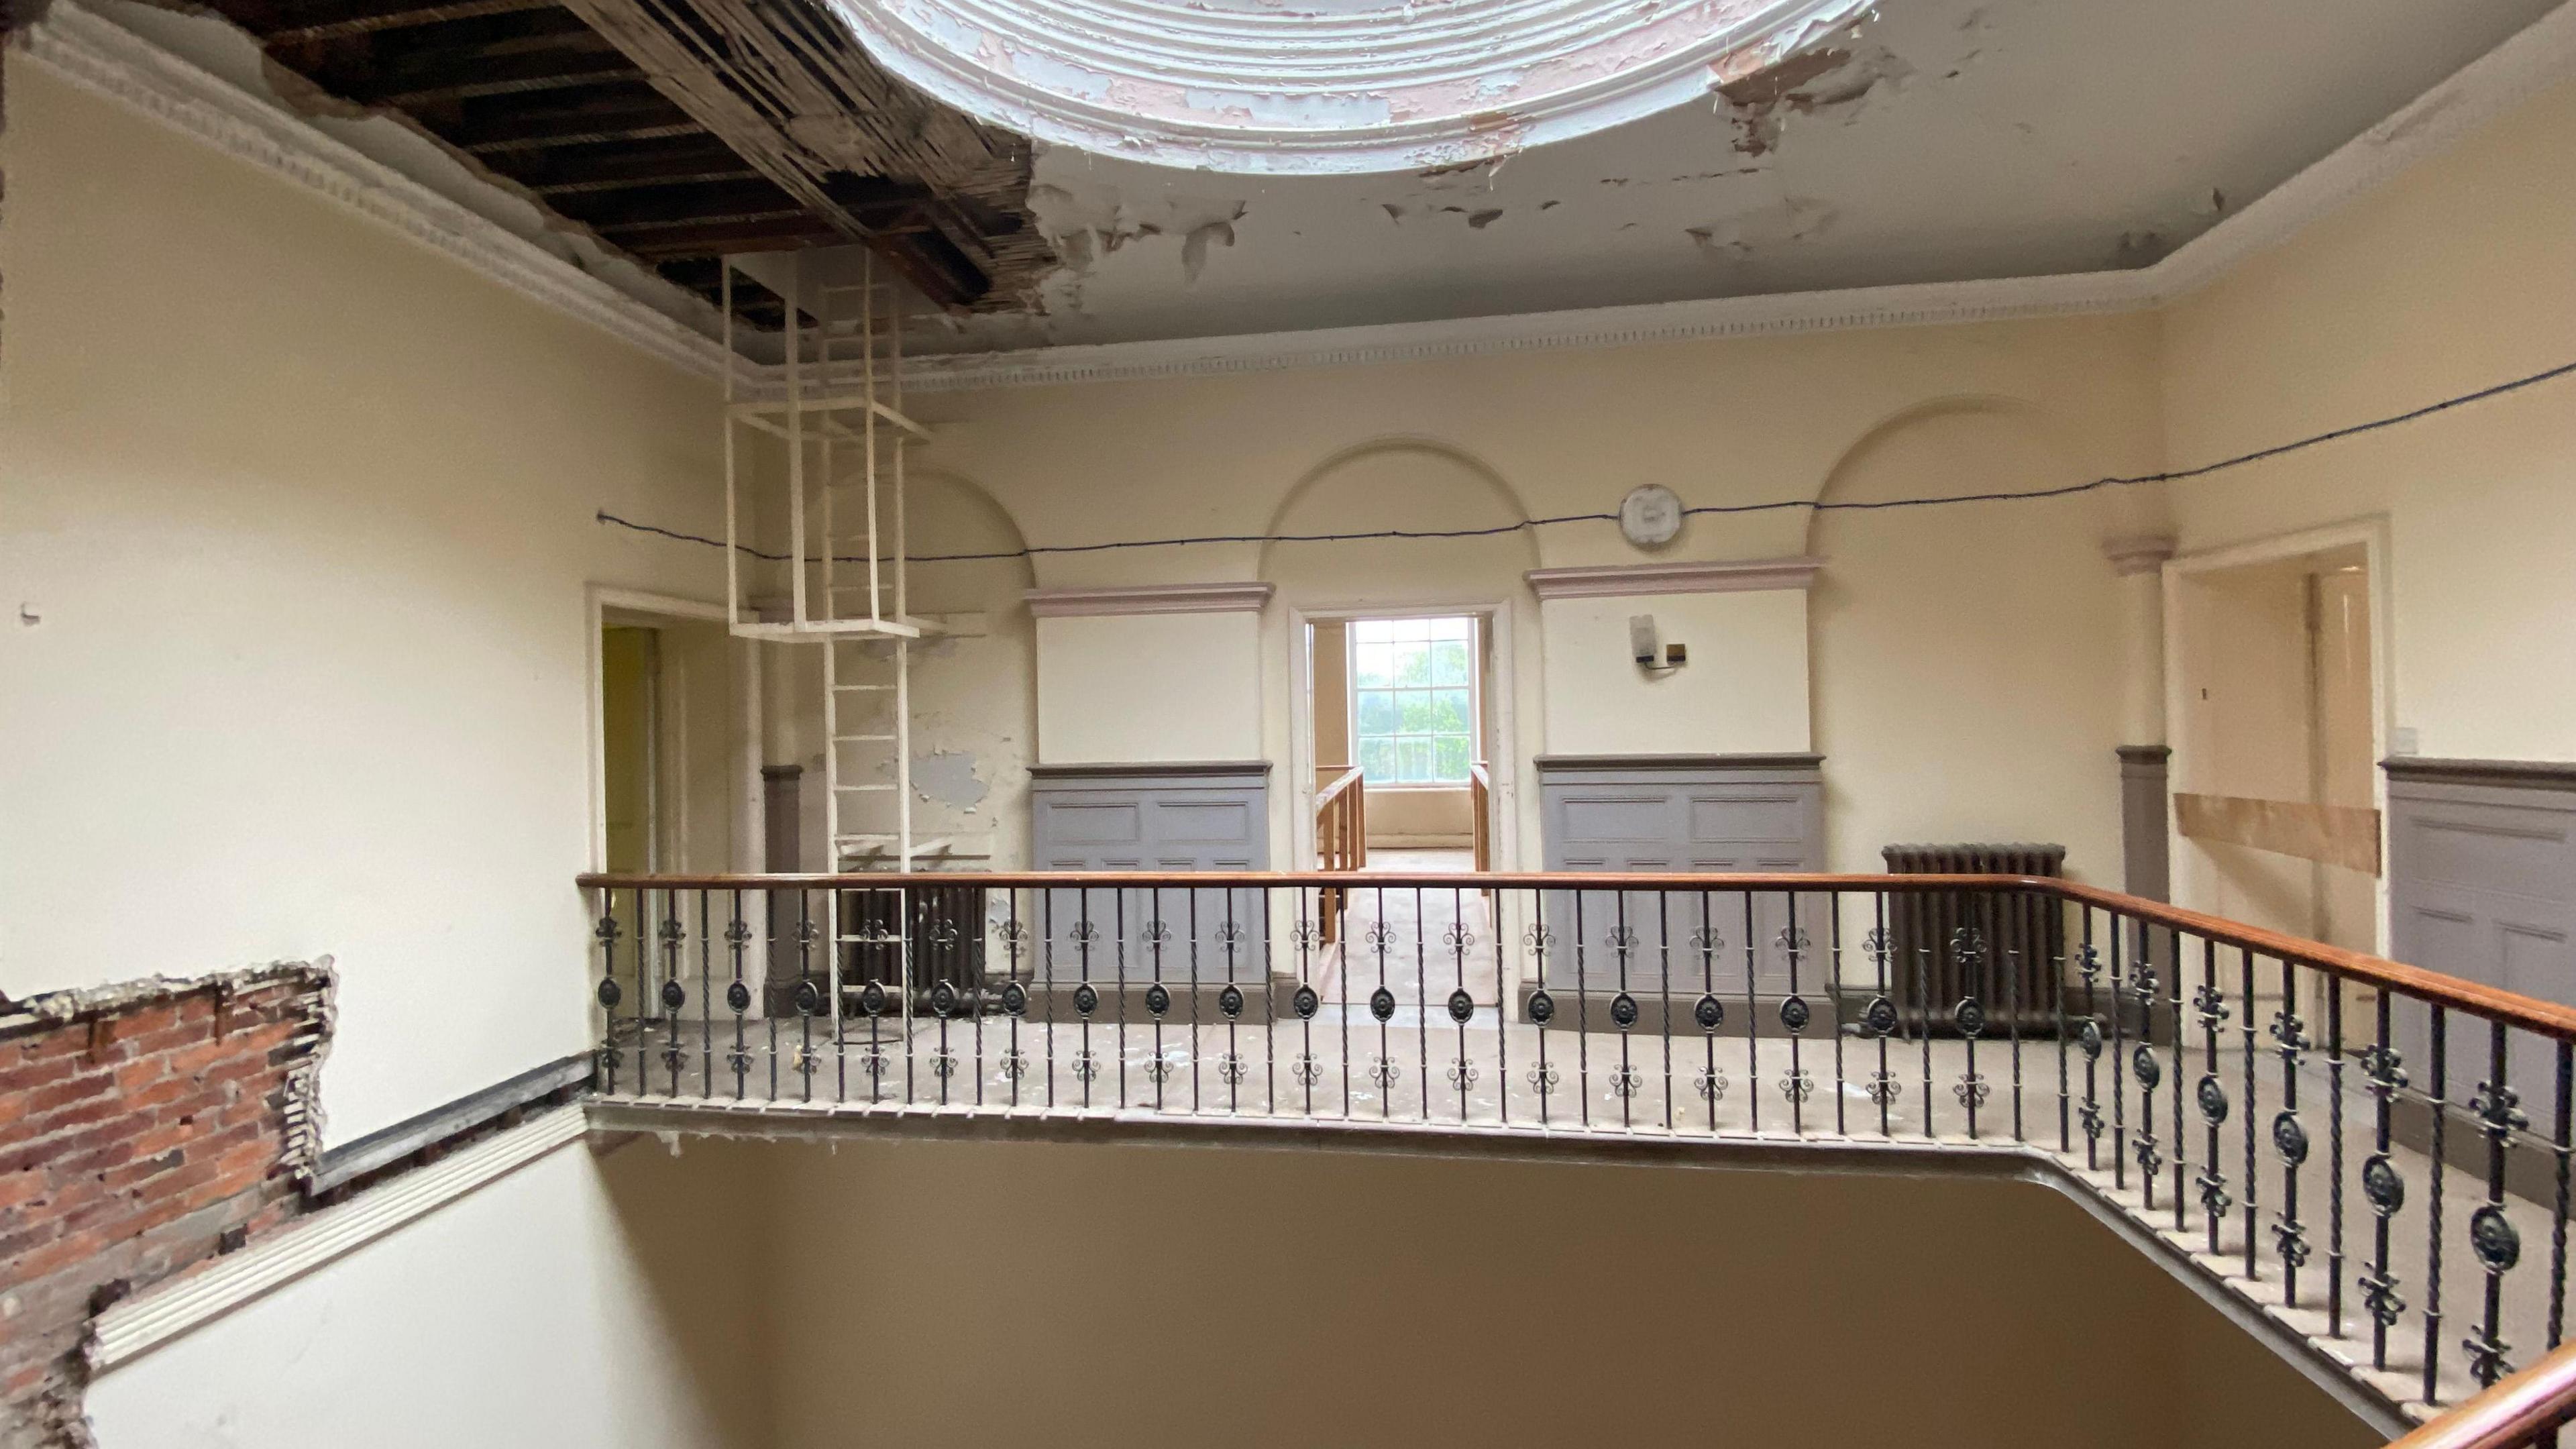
x=2334 y=1154
x=675 y=997
x=738 y=996
x=1623 y=1007
x=2053 y=912
x=1198 y=1029
x=768 y=970
x=2012 y=1029
x=643 y=991
x=2382 y=1186
x=1968 y=952
x=2212 y=1003
x=1382 y=1068
x=2290 y=1134
x=2492 y=1237
x=1834 y=992
x=1421 y=1007
x=1708 y=1011
x=1343 y=973
x=2433 y=1209
x=1305 y=1070
x=2089 y=1037
x=1880 y=1018
x=706 y=1001
x=2119 y=993
x=1462 y=1004
x=2148 y=1067
x=1924 y=971
x=2181 y=1139
x=1086 y=997
x=1118 y=968
x=1230 y=1067
x=1582 y=1020
x=2563 y=1147
x=1752 y=1022
x=1664 y=989
x=872 y=1003
x=1015 y=994
x=809 y=997
x=1502 y=1012
x=2251 y=1180
x=1158 y=997
x=1054 y=982
x=1269 y=1015
x=1542 y=1005
x=606 y=933
x=940 y=937
x=1794 y=1015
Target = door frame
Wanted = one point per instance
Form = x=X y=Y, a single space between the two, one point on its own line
x=1503 y=817
x=606 y=604
x=2371 y=532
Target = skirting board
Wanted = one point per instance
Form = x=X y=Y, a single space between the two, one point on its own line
x=140 y=1324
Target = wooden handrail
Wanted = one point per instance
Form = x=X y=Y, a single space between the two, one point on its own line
x=2486 y=1002
x=1341 y=841
x=2519 y=1410
x=1347 y=780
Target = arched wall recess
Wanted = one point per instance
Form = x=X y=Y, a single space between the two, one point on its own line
x=1965 y=660
x=1331 y=86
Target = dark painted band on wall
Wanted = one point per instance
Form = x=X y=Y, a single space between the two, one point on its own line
x=379 y=1150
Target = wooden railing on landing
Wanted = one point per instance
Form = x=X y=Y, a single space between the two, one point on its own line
x=1341 y=838
x=1480 y=786
x=2524 y=1409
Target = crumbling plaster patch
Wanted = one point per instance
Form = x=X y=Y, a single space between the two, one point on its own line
x=1937 y=140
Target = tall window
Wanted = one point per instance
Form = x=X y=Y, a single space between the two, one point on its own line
x=1413 y=699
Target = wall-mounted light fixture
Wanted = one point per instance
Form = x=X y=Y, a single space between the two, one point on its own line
x=1647 y=648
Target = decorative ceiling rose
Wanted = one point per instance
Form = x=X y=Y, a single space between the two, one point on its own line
x=1325 y=86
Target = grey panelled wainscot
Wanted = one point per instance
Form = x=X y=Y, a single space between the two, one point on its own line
x=1687 y=814
x=2482 y=885
x=1193 y=816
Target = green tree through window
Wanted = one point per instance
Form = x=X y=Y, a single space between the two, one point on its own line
x=1413 y=700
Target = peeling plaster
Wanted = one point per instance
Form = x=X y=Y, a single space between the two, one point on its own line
x=1933 y=141
x=948 y=777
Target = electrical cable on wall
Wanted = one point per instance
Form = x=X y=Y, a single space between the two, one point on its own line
x=1812 y=504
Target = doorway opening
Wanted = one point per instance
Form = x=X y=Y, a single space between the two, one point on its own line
x=668 y=750
x=2277 y=741
x=1403 y=717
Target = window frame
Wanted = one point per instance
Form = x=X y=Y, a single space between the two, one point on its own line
x=1475 y=687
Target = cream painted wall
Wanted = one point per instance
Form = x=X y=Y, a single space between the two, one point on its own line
x=1743 y=690
x=2455 y=276
x=577 y=1301
x=1487 y=442
x=1967 y=661
x=305 y=514
x=1127 y=688
x=1251 y=1298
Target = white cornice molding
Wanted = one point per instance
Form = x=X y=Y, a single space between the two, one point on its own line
x=1707 y=576
x=1149 y=599
x=106 y=59
x=1925 y=305
x=145 y=1322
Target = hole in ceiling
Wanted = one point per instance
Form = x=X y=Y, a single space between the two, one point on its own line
x=1327 y=86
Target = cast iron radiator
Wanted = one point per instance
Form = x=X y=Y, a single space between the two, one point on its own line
x=2019 y=938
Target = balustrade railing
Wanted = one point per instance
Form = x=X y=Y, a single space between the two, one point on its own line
x=2377 y=1153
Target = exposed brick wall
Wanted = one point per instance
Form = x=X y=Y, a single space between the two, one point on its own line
x=143 y=1128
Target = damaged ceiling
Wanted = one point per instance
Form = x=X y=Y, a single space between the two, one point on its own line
x=1930 y=140
x=1936 y=140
